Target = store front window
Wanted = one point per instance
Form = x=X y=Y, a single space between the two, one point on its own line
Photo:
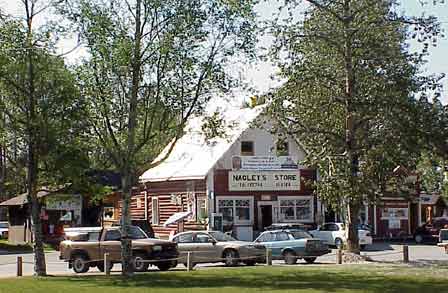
x=236 y=210
x=296 y=209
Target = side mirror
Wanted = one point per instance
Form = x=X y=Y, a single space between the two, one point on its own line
x=212 y=241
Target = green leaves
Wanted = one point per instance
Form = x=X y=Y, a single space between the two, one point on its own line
x=349 y=90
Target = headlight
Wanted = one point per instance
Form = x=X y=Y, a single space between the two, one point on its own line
x=157 y=248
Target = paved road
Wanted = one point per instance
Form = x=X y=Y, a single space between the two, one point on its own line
x=378 y=252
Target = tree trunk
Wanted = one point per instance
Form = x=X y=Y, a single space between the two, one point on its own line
x=128 y=163
x=352 y=227
x=32 y=163
x=350 y=136
x=126 y=244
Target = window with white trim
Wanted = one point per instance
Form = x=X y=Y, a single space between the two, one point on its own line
x=155 y=210
x=238 y=210
x=201 y=203
x=296 y=209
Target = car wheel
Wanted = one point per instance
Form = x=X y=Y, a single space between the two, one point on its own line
x=192 y=265
x=250 y=262
x=310 y=259
x=80 y=264
x=418 y=239
x=290 y=257
x=139 y=262
x=100 y=266
x=338 y=243
x=164 y=266
x=230 y=257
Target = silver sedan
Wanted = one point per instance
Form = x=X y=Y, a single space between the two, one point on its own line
x=215 y=246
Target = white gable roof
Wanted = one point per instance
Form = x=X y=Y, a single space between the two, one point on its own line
x=192 y=157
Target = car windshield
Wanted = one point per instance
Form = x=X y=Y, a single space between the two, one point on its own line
x=137 y=233
x=219 y=236
x=301 y=235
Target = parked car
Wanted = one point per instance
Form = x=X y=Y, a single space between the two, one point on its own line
x=336 y=234
x=216 y=246
x=429 y=232
x=291 y=245
x=4 y=230
x=145 y=225
x=280 y=226
x=85 y=248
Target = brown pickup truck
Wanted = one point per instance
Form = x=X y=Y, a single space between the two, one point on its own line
x=85 y=247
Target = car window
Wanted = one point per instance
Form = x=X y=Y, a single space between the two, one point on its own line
x=333 y=227
x=301 y=235
x=3 y=225
x=113 y=235
x=266 y=237
x=184 y=238
x=281 y=236
x=202 y=238
x=136 y=233
x=219 y=236
x=93 y=236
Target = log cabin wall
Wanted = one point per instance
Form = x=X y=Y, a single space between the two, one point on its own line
x=161 y=193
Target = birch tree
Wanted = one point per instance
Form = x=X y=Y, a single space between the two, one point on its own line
x=151 y=65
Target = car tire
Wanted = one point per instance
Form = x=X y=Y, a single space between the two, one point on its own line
x=250 y=263
x=100 y=266
x=338 y=243
x=138 y=262
x=80 y=264
x=192 y=265
x=310 y=260
x=230 y=257
x=290 y=257
x=418 y=239
x=164 y=266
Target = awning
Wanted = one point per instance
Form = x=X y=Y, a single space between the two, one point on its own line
x=176 y=217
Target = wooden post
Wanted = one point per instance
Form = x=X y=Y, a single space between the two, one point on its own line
x=405 y=253
x=106 y=264
x=19 y=266
x=189 y=261
x=268 y=257
x=339 y=256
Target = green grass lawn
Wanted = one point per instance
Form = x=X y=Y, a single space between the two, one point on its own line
x=299 y=278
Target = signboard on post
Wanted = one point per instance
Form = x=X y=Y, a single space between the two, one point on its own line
x=265 y=180
x=216 y=220
x=263 y=163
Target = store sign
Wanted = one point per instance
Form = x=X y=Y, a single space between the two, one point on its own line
x=63 y=202
x=394 y=214
x=267 y=180
x=263 y=163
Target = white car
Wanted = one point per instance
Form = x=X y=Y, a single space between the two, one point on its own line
x=336 y=234
x=4 y=229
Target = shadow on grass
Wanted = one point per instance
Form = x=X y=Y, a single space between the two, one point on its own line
x=263 y=278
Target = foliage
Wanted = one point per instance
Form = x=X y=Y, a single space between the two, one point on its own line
x=151 y=66
x=349 y=95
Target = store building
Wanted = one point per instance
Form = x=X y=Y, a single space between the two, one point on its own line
x=59 y=210
x=248 y=179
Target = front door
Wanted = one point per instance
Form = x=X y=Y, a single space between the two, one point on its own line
x=266 y=216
